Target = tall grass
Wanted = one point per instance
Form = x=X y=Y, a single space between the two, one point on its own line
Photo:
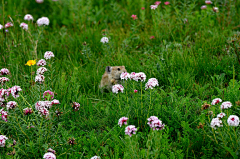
x=194 y=61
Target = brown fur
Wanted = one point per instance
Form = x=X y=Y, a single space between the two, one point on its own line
x=111 y=77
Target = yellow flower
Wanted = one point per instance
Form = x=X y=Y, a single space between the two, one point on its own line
x=31 y=62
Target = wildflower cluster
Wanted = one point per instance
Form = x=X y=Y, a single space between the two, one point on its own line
x=155 y=123
x=50 y=154
x=40 y=78
x=232 y=120
x=5 y=93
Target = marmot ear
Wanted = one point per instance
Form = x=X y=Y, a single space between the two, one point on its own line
x=108 y=69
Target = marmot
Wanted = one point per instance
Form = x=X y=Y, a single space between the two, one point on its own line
x=111 y=77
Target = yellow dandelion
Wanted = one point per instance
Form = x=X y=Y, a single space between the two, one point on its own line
x=31 y=62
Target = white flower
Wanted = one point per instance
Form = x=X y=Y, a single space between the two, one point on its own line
x=221 y=115
x=122 y=120
x=216 y=101
x=233 y=120
x=3 y=80
x=4 y=114
x=216 y=122
x=4 y=71
x=157 y=125
x=154 y=6
x=39 y=1
x=15 y=90
x=117 y=88
x=48 y=55
x=43 y=21
x=95 y=157
x=55 y=101
x=125 y=76
x=11 y=105
x=49 y=155
x=215 y=9
x=1 y=27
x=9 y=24
x=151 y=119
x=226 y=105
x=28 y=17
x=43 y=104
x=44 y=112
x=41 y=62
x=152 y=82
x=140 y=76
x=129 y=130
x=104 y=40
x=41 y=70
x=24 y=26
x=3 y=139
x=40 y=79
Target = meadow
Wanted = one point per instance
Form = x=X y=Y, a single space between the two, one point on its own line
x=191 y=47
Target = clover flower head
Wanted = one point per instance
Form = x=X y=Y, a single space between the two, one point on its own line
x=43 y=105
x=104 y=40
x=221 y=115
x=204 y=7
x=48 y=55
x=3 y=80
x=4 y=115
x=151 y=119
x=125 y=76
x=15 y=90
x=140 y=76
x=43 y=21
x=1 y=26
x=216 y=101
x=55 y=101
x=226 y=105
x=134 y=17
x=76 y=106
x=51 y=150
x=4 y=93
x=152 y=82
x=41 y=70
x=208 y=2
x=24 y=26
x=157 y=125
x=117 y=88
x=3 y=139
x=49 y=155
x=135 y=91
x=167 y=3
x=157 y=2
x=4 y=71
x=95 y=157
x=48 y=93
x=215 y=9
x=153 y=7
x=233 y=120
x=133 y=75
x=9 y=24
x=28 y=17
x=40 y=79
x=27 y=111
x=11 y=105
x=44 y=112
x=130 y=130
x=216 y=122
x=42 y=62
x=122 y=120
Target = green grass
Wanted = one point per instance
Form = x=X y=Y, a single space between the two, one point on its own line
x=194 y=63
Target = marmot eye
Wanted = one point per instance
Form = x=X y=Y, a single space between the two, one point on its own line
x=118 y=69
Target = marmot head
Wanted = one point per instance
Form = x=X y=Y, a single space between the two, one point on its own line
x=115 y=71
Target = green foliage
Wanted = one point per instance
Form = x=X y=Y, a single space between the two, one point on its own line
x=194 y=54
